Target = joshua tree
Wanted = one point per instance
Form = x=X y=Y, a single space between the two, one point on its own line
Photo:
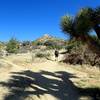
x=88 y=19
x=80 y=26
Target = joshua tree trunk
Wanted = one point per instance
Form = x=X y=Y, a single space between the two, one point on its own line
x=97 y=30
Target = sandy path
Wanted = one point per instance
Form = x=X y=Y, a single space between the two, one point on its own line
x=43 y=81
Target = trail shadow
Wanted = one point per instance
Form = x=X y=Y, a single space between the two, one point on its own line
x=56 y=84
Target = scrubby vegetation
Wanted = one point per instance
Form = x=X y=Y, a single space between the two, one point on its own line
x=42 y=55
x=1 y=45
x=78 y=53
x=12 y=46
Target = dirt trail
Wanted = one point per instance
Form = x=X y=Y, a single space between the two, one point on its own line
x=42 y=81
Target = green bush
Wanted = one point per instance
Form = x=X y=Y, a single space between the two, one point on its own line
x=12 y=46
x=51 y=44
x=42 y=55
x=74 y=45
x=1 y=46
x=25 y=43
x=37 y=43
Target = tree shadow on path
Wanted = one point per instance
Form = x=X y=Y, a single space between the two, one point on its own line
x=57 y=84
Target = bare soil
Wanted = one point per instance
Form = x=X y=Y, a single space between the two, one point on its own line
x=48 y=80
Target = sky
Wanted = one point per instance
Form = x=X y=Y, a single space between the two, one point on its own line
x=30 y=19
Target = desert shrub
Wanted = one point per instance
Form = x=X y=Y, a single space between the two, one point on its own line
x=2 y=45
x=58 y=47
x=25 y=43
x=74 y=45
x=42 y=55
x=69 y=48
x=78 y=53
x=37 y=43
x=49 y=43
x=74 y=59
x=12 y=46
x=52 y=45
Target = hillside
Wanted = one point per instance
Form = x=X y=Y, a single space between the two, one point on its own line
x=46 y=37
x=50 y=39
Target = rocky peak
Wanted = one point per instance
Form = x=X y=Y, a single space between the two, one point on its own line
x=45 y=37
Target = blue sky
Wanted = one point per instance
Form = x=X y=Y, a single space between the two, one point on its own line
x=30 y=19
